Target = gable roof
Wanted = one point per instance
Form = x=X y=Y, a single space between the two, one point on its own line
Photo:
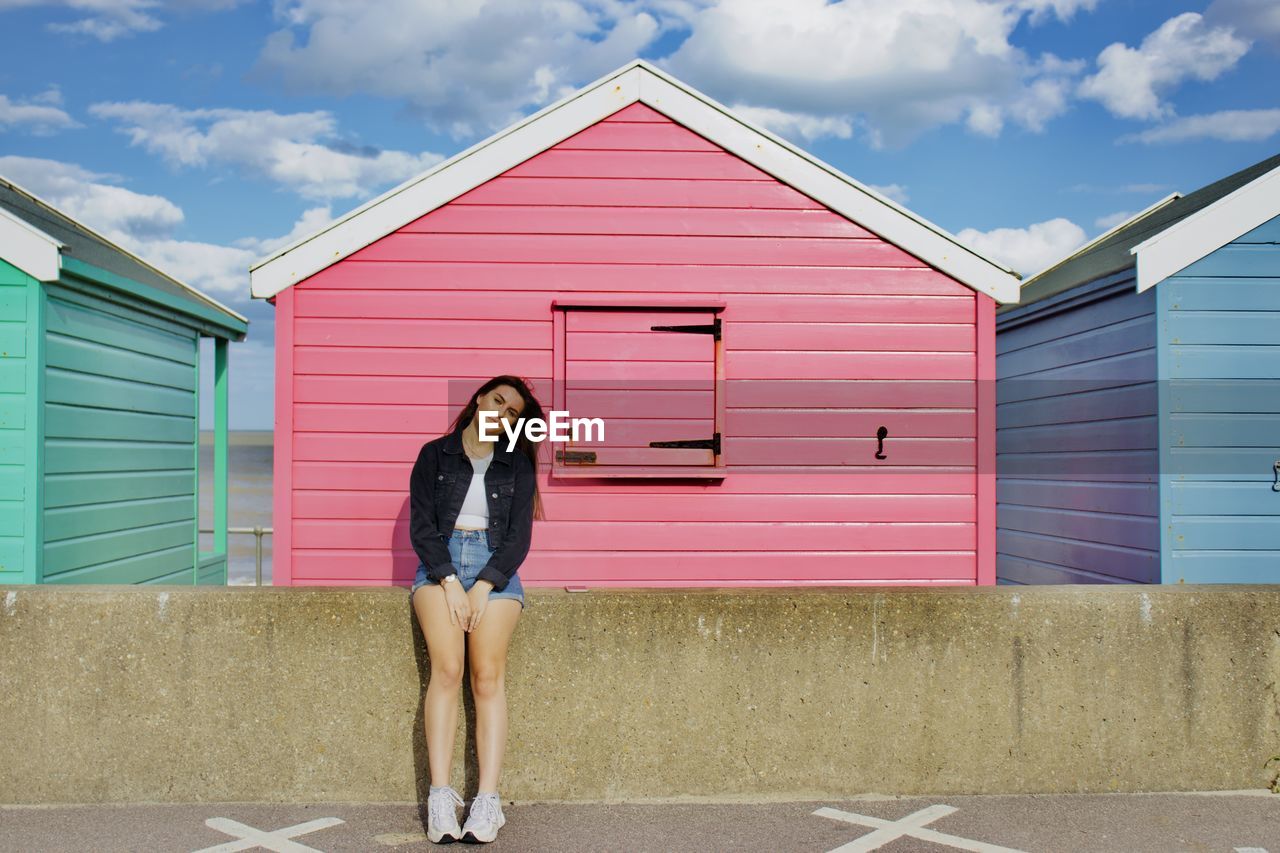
x=1209 y=229
x=48 y=237
x=637 y=81
x=1104 y=237
x=1111 y=252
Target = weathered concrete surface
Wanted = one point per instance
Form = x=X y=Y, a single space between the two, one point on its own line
x=1219 y=822
x=182 y=694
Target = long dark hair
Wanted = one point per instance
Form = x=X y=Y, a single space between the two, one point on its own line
x=532 y=409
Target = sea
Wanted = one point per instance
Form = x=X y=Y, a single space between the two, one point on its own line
x=249 y=471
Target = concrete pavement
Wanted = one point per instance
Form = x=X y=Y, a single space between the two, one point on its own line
x=1221 y=822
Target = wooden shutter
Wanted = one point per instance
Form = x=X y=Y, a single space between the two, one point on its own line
x=647 y=384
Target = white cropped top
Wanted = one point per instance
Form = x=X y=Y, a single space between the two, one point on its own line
x=475 y=509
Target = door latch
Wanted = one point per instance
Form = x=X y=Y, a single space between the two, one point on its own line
x=1275 y=469
x=881 y=435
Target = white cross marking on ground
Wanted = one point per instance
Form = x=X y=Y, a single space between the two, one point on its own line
x=912 y=824
x=277 y=840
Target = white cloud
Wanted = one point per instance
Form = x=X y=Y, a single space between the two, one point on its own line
x=1063 y=10
x=985 y=119
x=1226 y=126
x=889 y=69
x=1027 y=250
x=144 y=224
x=1043 y=98
x=897 y=192
x=1259 y=18
x=794 y=125
x=215 y=268
x=1111 y=220
x=899 y=67
x=1046 y=94
x=108 y=20
x=222 y=269
x=40 y=114
x=116 y=20
x=208 y=267
x=93 y=198
x=298 y=151
x=1130 y=81
x=465 y=68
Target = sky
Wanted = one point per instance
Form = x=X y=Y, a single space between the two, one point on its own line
x=205 y=134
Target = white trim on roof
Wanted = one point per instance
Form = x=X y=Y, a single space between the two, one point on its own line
x=197 y=293
x=29 y=249
x=637 y=81
x=1141 y=214
x=1207 y=230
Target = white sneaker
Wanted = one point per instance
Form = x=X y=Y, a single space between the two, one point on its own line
x=484 y=820
x=442 y=816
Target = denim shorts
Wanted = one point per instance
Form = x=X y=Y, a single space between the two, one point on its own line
x=469 y=550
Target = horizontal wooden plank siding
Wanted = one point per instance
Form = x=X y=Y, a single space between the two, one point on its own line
x=1220 y=354
x=18 y=429
x=828 y=334
x=1076 y=441
x=119 y=412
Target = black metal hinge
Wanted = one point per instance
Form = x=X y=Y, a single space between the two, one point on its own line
x=712 y=328
x=712 y=444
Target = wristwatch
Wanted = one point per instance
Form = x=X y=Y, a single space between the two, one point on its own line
x=453 y=578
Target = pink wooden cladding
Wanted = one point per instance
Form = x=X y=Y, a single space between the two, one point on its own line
x=708 y=222
x=629 y=249
x=874 y=294
x=282 y=488
x=387 y=343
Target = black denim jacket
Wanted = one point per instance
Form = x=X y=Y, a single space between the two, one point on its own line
x=439 y=484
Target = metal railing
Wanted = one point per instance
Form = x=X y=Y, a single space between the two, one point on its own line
x=258 y=533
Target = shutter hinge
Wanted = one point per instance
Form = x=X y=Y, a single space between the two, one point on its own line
x=712 y=444
x=712 y=328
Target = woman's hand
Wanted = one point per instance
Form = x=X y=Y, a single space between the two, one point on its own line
x=479 y=596
x=459 y=604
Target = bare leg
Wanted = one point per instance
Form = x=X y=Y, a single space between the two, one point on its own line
x=487 y=646
x=445 y=647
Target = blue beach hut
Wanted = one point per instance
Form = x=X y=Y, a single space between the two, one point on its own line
x=1138 y=399
x=99 y=408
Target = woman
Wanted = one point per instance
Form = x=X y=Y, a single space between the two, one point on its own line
x=471 y=510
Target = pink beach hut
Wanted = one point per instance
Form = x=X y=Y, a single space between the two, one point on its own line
x=794 y=372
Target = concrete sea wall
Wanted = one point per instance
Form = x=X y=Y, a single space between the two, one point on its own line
x=166 y=693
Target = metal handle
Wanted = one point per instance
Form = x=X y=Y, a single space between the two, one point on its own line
x=1275 y=469
x=881 y=435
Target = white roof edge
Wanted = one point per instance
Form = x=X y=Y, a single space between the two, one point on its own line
x=439 y=167
x=637 y=81
x=969 y=266
x=1207 y=230
x=198 y=293
x=28 y=248
x=1141 y=214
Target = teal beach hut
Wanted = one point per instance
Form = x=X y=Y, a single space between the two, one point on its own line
x=99 y=408
x=1138 y=399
